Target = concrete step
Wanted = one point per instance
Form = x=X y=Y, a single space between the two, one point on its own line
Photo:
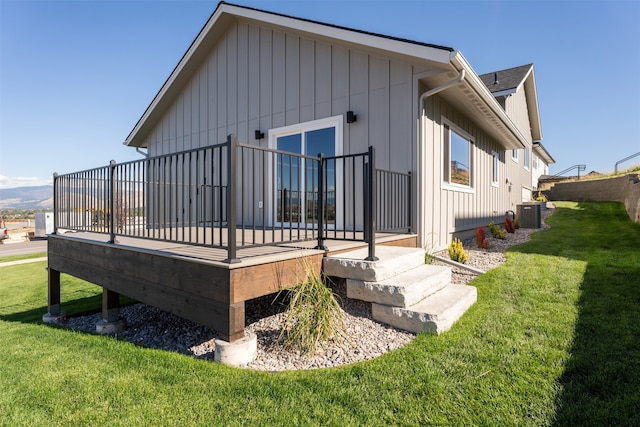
x=404 y=290
x=436 y=313
x=392 y=261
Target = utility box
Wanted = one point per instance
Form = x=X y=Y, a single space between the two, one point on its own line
x=529 y=215
x=44 y=224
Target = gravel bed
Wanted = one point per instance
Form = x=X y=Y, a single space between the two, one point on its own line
x=151 y=327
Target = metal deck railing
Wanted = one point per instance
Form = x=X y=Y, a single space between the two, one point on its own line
x=235 y=196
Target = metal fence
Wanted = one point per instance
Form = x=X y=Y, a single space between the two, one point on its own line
x=235 y=196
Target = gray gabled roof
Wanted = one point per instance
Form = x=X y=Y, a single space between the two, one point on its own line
x=506 y=80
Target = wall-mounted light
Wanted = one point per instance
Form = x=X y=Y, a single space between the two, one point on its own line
x=351 y=117
x=259 y=135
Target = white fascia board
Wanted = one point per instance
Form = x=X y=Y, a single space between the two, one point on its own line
x=542 y=153
x=395 y=47
x=532 y=104
x=413 y=50
x=474 y=81
x=174 y=74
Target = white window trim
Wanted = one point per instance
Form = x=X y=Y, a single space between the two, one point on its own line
x=458 y=187
x=495 y=156
x=274 y=134
x=515 y=156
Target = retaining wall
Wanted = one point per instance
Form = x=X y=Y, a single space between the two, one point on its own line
x=625 y=189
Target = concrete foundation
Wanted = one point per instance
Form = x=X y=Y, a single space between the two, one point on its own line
x=104 y=327
x=238 y=353
x=54 y=318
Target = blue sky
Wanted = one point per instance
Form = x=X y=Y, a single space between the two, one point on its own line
x=75 y=76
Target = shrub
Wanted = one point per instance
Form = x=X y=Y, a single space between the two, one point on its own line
x=456 y=252
x=541 y=197
x=481 y=238
x=313 y=315
x=496 y=231
x=508 y=225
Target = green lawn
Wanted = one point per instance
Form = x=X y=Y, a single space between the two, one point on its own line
x=554 y=339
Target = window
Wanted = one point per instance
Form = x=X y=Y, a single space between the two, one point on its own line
x=495 y=176
x=535 y=161
x=296 y=187
x=514 y=156
x=526 y=157
x=457 y=168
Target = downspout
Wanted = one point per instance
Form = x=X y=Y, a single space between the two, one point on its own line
x=438 y=89
x=422 y=137
x=138 y=150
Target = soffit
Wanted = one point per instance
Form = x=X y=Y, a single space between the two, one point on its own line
x=480 y=107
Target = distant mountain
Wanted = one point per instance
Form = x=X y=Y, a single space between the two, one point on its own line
x=27 y=197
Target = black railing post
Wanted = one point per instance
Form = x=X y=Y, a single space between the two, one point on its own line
x=320 y=203
x=112 y=211
x=56 y=206
x=370 y=218
x=410 y=225
x=231 y=199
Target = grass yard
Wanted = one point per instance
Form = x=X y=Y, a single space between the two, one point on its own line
x=554 y=339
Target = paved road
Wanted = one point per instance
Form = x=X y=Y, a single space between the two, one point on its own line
x=32 y=247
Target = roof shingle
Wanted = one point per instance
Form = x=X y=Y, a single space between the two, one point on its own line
x=510 y=78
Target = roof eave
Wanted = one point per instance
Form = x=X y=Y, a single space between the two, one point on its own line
x=513 y=138
x=532 y=105
x=542 y=152
x=226 y=13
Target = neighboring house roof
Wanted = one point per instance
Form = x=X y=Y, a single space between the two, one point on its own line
x=471 y=96
x=542 y=153
x=512 y=80
x=507 y=81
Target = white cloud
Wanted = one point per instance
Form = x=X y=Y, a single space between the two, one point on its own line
x=23 y=181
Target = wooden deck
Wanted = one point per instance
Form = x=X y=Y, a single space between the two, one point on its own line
x=190 y=281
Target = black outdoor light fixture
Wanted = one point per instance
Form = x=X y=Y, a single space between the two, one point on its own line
x=351 y=117
x=259 y=135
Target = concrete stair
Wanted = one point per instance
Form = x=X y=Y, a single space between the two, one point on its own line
x=404 y=291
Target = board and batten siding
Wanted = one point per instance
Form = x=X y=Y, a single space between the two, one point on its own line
x=448 y=212
x=517 y=110
x=257 y=77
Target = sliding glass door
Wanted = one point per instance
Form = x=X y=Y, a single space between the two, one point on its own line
x=296 y=177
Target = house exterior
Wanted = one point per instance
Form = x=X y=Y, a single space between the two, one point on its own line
x=274 y=130
x=515 y=90
x=250 y=70
x=541 y=160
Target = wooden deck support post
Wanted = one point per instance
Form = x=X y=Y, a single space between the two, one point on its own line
x=110 y=305
x=236 y=323
x=111 y=321
x=54 y=313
